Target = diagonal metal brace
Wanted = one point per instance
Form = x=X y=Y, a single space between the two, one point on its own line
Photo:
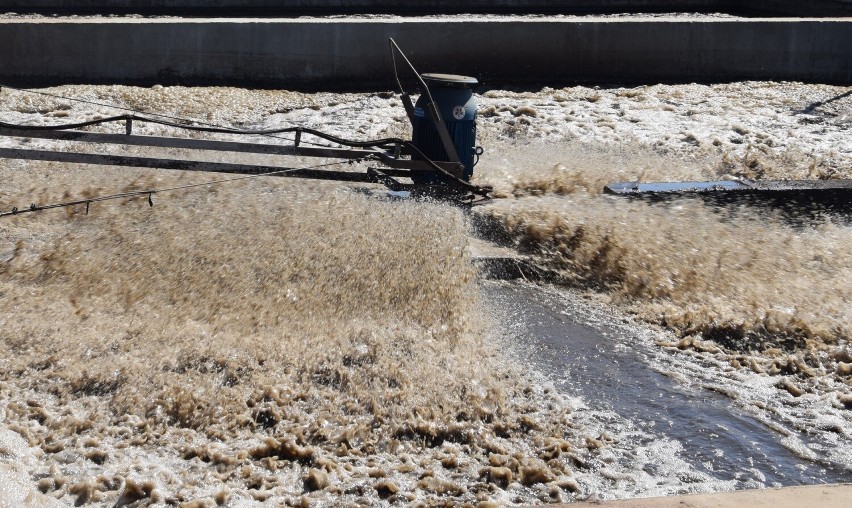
x=444 y=134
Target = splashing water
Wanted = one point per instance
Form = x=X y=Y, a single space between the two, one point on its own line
x=298 y=342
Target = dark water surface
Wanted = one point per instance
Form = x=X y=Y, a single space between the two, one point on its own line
x=604 y=361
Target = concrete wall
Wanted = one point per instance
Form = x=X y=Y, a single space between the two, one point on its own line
x=259 y=7
x=353 y=54
x=294 y=7
x=793 y=7
x=204 y=7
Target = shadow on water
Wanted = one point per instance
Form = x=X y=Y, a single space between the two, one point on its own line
x=810 y=109
x=593 y=356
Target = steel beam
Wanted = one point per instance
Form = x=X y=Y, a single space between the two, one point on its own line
x=388 y=159
x=191 y=144
x=185 y=165
x=733 y=186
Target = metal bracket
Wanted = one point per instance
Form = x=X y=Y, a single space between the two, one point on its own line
x=384 y=179
x=409 y=107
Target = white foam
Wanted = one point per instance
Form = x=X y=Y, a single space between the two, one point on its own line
x=16 y=462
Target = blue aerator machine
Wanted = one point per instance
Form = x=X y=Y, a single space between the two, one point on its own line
x=452 y=96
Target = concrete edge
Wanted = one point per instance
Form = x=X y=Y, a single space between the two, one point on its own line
x=317 y=54
x=823 y=496
x=204 y=8
x=451 y=19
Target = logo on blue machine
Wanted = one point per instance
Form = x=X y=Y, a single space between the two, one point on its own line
x=458 y=112
x=419 y=112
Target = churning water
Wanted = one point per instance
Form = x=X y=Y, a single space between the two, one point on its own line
x=280 y=341
x=613 y=363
